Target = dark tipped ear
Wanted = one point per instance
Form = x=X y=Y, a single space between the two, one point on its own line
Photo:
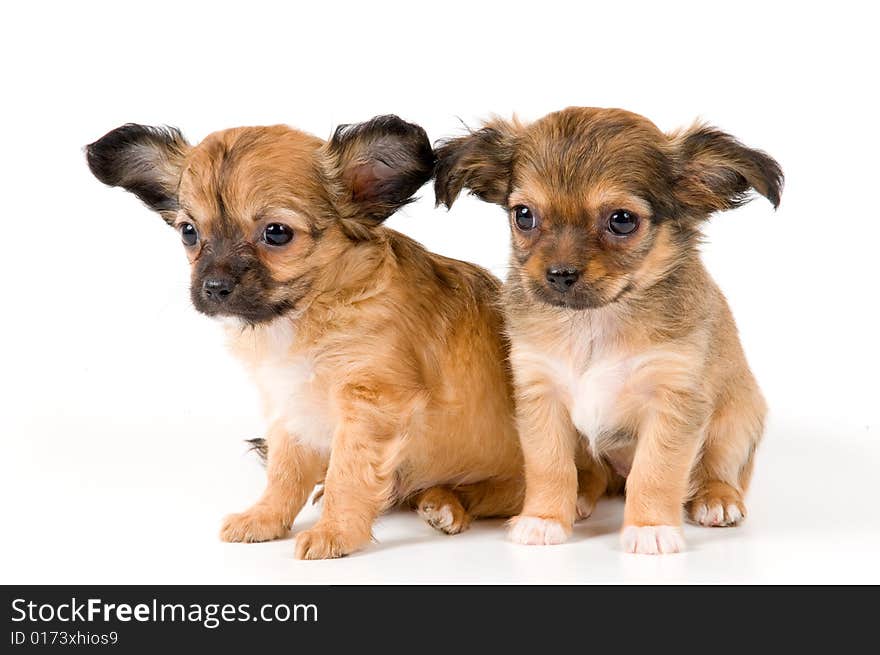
x=144 y=160
x=482 y=161
x=377 y=166
x=717 y=172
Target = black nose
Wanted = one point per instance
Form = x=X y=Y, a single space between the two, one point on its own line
x=217 y=289
x=562 y=279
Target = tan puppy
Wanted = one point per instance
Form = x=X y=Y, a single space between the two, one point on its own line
x=381 y=366
x=622 y=345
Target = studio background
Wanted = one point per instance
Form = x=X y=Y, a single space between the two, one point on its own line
x=123 y=416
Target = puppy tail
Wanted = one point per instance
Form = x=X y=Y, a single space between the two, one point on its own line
x=260 y=447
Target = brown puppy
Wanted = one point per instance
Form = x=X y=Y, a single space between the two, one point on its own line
x=382 y=367
x=620 y=340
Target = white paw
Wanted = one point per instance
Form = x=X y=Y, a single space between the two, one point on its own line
x=652 y=539
x=440 y=518
x=535 y=531
x=444 y=518
x=716 y=515
x=584 y=508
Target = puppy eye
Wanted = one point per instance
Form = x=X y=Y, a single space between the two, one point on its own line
x=189 y=234
x=622 y=222
x=277 y=234
x=524 y=218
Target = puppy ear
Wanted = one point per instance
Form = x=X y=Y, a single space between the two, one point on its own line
x=144 y=160
x=482 y=161
x=716 y=171
x=377 y=166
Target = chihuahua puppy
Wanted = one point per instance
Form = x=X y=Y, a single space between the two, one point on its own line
x=622 y=346
x=382 y=367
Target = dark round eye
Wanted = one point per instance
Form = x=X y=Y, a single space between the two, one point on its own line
x=189 y=234
x=622 y=222
x=524 y=218
x=277 y=234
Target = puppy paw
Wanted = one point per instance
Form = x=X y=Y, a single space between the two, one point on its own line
x=535 y=531
x=717 y=505
x=442 y=510
x=584 y=508
x=652 y=539
x=256 y=524
x=324 y=543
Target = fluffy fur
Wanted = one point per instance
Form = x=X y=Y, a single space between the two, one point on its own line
x=635 y=359
x=382 y=367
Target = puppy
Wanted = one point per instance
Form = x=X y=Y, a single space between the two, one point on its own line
x=382 y=367
x=621 y=344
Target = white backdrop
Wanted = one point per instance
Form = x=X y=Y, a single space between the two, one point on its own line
x=122 y=414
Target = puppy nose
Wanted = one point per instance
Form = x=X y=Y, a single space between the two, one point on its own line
x=562 y=279
x=217 y=289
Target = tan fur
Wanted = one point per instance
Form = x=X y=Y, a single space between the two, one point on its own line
x=406 y=356
x=415 y=375
x=386 y=375
x=641 y=363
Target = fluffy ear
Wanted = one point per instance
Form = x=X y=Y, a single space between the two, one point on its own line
x=481 y=161
x=377 y=166
x=144 y=160
x=717 y=172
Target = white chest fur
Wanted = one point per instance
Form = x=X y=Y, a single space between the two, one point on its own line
x=595 y=394
x=287 y=383
x=595 y=378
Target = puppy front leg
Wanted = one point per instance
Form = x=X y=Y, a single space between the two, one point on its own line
x=292 y=470
x=657 y=485
x=356 y=489
x=548 y=441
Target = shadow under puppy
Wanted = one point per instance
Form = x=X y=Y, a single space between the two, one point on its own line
x=382 y=367
x=624 y=350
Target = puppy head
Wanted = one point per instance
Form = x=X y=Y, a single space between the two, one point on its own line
x=266 y=214
x=601 y=203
